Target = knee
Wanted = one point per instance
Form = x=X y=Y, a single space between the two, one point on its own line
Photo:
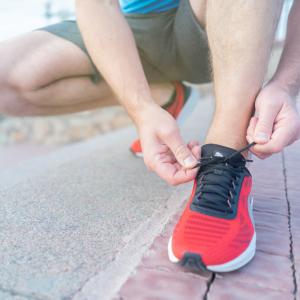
x=12 y=98
x=17 y=78
x=11 y=104
x=21 y=81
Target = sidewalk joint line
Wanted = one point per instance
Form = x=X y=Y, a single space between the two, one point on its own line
x=208 y=285
x=291 y=256
x=14 y=293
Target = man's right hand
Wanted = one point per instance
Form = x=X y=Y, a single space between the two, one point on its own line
x=276 y=124
x=164 y=150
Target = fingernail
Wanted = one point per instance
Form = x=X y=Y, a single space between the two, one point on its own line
x=261 y=136
x=189 y=162
x=249 y=139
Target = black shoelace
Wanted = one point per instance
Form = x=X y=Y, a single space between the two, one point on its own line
x=217 y=181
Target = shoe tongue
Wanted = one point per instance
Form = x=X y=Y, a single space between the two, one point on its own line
x=213 y=150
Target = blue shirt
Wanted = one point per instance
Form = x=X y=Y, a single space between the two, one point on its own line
x=147 y=6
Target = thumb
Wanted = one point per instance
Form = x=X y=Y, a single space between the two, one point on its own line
x=181 y=151
x=264 y=127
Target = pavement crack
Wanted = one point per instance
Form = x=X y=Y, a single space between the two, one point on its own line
x=14 y=293
x=208 y=285
x=291 y=256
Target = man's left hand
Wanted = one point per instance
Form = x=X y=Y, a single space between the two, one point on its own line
x=276 y=123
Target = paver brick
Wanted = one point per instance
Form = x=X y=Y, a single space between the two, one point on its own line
x=235 y=290
x=270 y=206
x=149 y=284
x=265 y=271
x=157 y=258
x=295 y=226
x=273 y=242
x=272 y=233
x=268 y=192
x=294 y=198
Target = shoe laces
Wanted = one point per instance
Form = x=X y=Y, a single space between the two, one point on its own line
x=217 y=181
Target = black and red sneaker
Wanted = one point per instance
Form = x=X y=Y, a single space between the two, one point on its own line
x=216 y=230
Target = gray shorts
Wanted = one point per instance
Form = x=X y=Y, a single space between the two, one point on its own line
x=172 y=45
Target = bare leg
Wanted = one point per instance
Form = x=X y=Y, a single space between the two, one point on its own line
x=240 y=35
x=42 y=74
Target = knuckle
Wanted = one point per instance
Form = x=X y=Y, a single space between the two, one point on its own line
x=167 y=132
x=260 y=155
x=264 y=126
x=180 y=151
x=276 y=148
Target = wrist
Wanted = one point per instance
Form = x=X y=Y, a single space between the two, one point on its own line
x=136 y=101
x=287 y=85
x=141 y=112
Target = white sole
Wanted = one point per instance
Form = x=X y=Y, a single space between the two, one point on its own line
x=234 y=264
x=137 y=154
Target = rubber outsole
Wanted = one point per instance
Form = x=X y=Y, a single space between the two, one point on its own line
x=194 y=261
x=136 y=154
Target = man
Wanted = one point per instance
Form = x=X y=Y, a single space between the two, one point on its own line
x=66 y=68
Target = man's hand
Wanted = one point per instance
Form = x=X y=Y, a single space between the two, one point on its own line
x=276 y=123
x=164 y=150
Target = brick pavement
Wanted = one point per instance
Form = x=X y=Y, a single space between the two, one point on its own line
x=272 y=274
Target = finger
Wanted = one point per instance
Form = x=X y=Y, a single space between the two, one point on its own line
x=184 y=175
x=249 y=139
x=264 y=127
x=174 y=174
x=172 y=171
x=251 y=128
x=180 y=150
x=260 y=155
x=166 y=158
x=191 y=144
x=196 y=151
x=279 y=140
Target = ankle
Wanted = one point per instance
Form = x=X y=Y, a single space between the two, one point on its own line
x=229 y=130
x=234 y=141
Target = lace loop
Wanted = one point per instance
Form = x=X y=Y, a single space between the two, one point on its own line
x=218 y=181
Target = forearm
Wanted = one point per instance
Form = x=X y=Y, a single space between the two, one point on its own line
x=111 y=45
x=288 y=71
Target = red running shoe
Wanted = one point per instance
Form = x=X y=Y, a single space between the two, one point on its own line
x=174 y=107
x=216 y=230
